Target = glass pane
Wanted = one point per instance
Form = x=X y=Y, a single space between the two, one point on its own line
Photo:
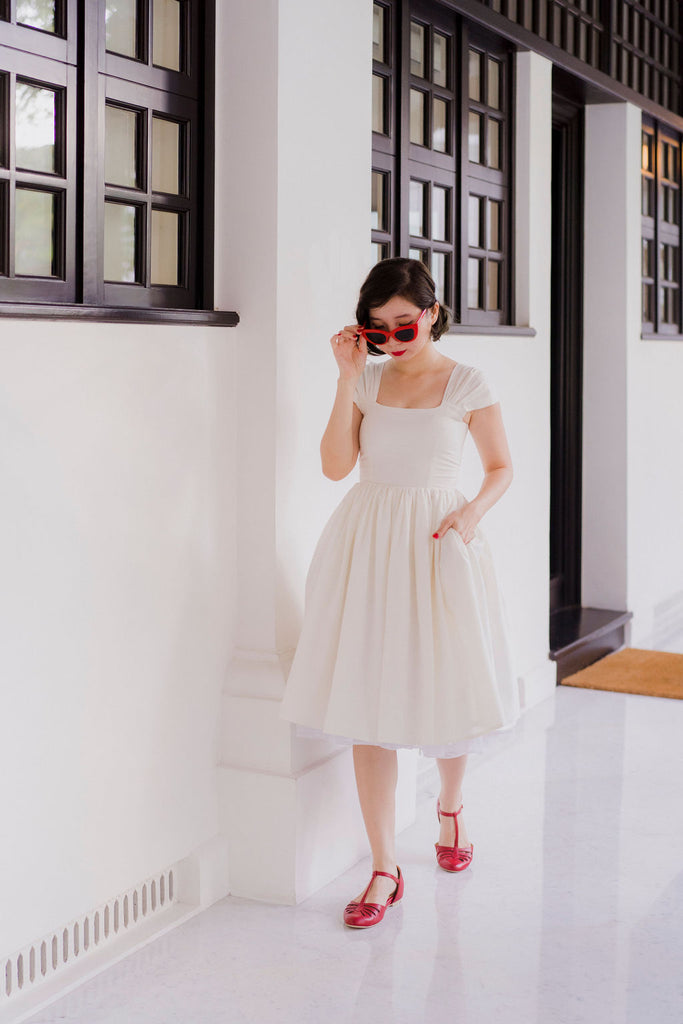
x=37 y=14
x=121 y=17
x=417 y=205
x=440 y=59
x=120 y=242
x=647 y=151
x=417 y=50
x=440 y=274
x=475 y=217
x=378 y=34
x=35 y=131
x=417 y=117
x=34 y=232
x=475 y=138
x=493 y=98
x=647 y=197
x=378 y=201
x=378 y=105
x=165 y=226
x=493 y=285
x=418 y=254
x=439 y=120
x=494 y=154
x=647 y=303
x=647 y=258
x=166 y=34
x=121 y=146
x=440 y=213
x=494 y=240
x=165 y=155
x=474 y=289
x=378 y=251
x=475 y=75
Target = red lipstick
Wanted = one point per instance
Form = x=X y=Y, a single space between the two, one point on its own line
x=399 y=353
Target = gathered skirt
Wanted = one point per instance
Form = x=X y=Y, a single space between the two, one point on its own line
x=404 y=641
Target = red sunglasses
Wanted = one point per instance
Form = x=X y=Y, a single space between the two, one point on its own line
x=406 y=332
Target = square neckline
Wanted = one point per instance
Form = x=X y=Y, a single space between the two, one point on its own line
x=412 y=408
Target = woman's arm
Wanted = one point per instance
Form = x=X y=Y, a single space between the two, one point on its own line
x=340 y=443
x=486 y=427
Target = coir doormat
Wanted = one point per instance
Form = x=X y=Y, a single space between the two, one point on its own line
x=652 y=673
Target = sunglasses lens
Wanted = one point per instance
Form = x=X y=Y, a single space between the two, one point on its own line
x=405 y=334
x=376 y=337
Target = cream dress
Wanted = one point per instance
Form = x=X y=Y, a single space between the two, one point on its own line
x=404 y=641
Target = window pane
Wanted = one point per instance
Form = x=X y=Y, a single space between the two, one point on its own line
x=165 y=227
x=4 y=92
x=120 y=242
x=440 y=60
x=121 y=147
x=493 y=285
x=648 y=304
x=378 y=201
x=165 y=155
x=440 y=214
x=474 y=289
x=475 y=75
x=418 y=254
x=35 y=132
x=166 y=34
x=378 y=33
x=34 y=232
x=493 y=98
x=440 y=274
x=378 y=251
x=475 y=135
x=494 y=240
x=417 y=50
x=122 y=27
x=417 y=205
x=378 y=105
x=475 y=226
x=647 y=257
x=647 y=197
x=417 y=117
x=439 y=118
x=37 y=14
x=494 y=154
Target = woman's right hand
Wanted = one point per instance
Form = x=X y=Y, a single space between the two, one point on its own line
x=351 y=352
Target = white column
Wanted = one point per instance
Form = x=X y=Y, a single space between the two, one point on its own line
x=293 y=246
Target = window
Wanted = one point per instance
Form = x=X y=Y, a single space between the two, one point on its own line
x=442 y=155
x=661 y=230
x=105 y=197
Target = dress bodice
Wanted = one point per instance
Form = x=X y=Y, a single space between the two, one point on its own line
x=413 y=447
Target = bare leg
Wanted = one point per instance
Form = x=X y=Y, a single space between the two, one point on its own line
x=376 y=771
x=452 y=772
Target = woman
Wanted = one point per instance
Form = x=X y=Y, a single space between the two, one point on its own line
x=404 y=641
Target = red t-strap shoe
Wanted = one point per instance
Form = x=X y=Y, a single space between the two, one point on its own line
x=453 y=858
x=359 y=914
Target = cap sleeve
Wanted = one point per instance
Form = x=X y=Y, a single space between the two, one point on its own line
x=477 y=392
x=361 y=392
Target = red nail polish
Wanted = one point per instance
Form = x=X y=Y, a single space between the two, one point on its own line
x=435 y=535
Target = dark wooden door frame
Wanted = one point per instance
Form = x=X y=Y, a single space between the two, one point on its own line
x=566 y=349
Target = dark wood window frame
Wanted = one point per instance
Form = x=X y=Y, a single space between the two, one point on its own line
x=401 y=160
x=661 y=210
x=74 y=61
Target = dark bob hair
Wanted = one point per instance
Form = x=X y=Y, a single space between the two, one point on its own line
x=399 y=276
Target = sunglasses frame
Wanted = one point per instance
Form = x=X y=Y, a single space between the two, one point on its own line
x=388 y=334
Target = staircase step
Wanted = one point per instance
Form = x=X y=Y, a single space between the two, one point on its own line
x=580 y=636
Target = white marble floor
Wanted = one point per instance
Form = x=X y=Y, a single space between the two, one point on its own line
x=571 y=912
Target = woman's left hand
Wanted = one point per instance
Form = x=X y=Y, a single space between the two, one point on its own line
x=463 y=520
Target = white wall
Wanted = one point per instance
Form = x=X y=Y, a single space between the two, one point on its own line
x=117 y=471
x=633 y=430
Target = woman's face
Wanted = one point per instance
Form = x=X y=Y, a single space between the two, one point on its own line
x=399 y=312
